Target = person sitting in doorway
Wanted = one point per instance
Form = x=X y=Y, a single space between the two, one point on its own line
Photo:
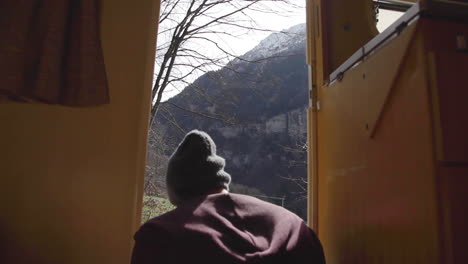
x=211 y=225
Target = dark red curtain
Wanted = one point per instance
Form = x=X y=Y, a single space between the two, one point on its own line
x=50 y=52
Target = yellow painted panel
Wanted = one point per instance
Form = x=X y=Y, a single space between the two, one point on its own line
x=347 y=26
x=72 y=177
x=375 y=78
x=377 y=201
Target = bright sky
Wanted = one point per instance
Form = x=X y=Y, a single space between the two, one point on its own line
x=277 y=22
x=386 y=18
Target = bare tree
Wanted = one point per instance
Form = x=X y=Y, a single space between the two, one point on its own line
x=298 y=159
x=157 y=160
x=192 y=38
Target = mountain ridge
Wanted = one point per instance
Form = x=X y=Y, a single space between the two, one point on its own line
x=260 y=111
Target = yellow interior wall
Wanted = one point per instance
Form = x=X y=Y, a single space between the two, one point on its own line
x=71 y=178
x=377 y=185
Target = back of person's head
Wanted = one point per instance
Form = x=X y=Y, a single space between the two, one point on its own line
x=195 y=169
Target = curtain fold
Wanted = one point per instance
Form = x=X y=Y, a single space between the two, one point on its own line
x=50 y=52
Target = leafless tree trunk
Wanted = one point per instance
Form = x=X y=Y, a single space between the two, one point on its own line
x=188 y=28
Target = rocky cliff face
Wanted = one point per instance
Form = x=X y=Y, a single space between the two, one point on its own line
x=291 y=124
x=259 y=112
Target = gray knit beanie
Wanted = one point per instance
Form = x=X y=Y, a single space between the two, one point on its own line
x=194 y=168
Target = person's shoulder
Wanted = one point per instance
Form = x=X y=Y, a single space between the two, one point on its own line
x=257 y=206
x=160 y=226
x=171 y=223
x=254 y=201
x=247 y=199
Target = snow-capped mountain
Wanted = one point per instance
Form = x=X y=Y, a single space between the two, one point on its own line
x=279 y=43
x=253 y=105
